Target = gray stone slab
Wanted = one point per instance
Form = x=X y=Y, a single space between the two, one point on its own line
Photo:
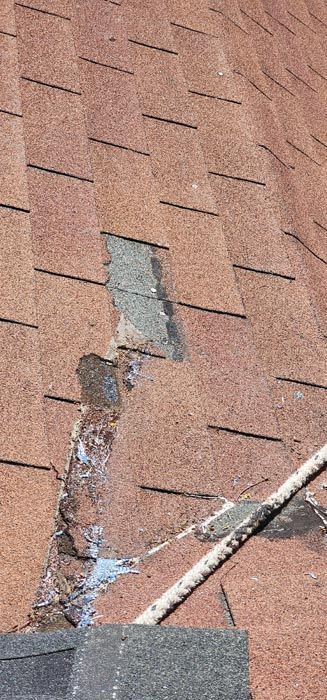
x=135 y=662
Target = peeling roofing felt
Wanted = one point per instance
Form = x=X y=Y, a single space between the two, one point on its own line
x=163 y=326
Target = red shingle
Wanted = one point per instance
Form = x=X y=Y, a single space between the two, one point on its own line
x=252 y=232
x=284 y=327
x=13 y=187
x=234 y=388
x=204 y=64
x=16 y=268
x=65 y=227
x=112 y=108
x=200 y=266
x=227 y=139
x=100 y=33
x=178 y=165
x=161 y=85
x=9 y=72
x=55 y=131
x=126 y=196
x=23 y=436
x=7 y=17
x=274 y=597
x=46 y=48
x=74 y=320
x=27 y=524
x=147 y=21
x=244 y=461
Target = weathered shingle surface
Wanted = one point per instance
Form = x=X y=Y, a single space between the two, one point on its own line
x=177 y=149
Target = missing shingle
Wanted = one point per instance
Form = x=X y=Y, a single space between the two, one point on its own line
x=98 y=380
x=297 y=519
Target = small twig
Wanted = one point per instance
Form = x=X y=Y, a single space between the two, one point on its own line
x=251 y=487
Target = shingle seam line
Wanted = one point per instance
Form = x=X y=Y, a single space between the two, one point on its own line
x=256 y=22
x=44 y=169
x=178 y=303
x=191 y=29
x=11 y=114
x=3 y=319
x=62 y=399
x=135 y=240
x=277 y=83
x=16 y=463
x=302 y=382
x=50 y=85
x=105 y=65
x=151 y=46
x=219 y=12
x=215 y=97
x=266 y=148
x=280 y=23
x=303 y=152
x=301 y=22
x=238 y=72
x=169 y=121
x=297 y=238
x=265 y=272
x=301 y=80
x=243 y=433
x=118 y=145
x=318 y=19
x=235 y=177
x=317 y=73
x=8 y=34
x=14 y=208
x=182 y=206
x=43 y=12
x=318 y=141
x=69 y=277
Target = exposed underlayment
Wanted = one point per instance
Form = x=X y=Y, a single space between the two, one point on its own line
x=76 y=572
